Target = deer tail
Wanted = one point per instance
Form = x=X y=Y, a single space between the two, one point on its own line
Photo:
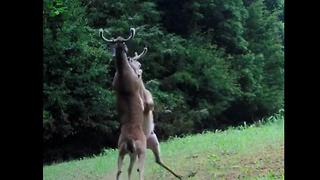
x=131 y=145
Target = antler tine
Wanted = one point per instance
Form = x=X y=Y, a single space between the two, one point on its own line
x=102 y=36
x=132 y=34
x=136 y=57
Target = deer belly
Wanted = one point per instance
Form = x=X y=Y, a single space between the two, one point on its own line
x=148 y=125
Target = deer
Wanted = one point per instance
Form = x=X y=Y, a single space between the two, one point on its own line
x=134 y=106
x=148 y=125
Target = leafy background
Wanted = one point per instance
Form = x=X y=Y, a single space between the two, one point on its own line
x=211 y=64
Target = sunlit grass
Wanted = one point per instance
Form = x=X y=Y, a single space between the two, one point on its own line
x=243 y=151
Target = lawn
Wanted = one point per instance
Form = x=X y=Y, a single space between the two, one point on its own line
x=243 y=152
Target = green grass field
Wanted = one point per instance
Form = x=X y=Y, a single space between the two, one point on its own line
x=245 y=152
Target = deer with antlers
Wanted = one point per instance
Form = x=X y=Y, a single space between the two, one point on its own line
x=134 y=105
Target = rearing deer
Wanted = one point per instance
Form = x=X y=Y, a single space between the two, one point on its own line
x=126 y=83
x=134 y=106
x=148 y=125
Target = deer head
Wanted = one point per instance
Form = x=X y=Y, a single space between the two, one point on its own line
x=126 y=77
x=119 y=42
x=135 y=64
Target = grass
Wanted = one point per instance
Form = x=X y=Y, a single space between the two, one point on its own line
x=245 y=152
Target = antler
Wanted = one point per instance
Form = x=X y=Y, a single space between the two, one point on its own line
x=132 y=33
x=119 y=39
x=136 y=56
x=102 y=36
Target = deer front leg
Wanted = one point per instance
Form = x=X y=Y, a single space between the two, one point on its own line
x=148 y=101
x=153 y=144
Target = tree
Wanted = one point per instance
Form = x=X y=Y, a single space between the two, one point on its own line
x=264 y=32
x=77 y=96
x=210 y=64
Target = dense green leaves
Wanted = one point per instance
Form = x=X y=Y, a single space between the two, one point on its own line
x=210 y=64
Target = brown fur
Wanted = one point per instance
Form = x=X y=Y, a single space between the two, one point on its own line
x=127 y=85
x=148 y=124
x=134 y=106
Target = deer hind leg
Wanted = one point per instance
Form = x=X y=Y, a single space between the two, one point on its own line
x=120 y=162
x=141 y=158
x=153 y=144
x=132 y=161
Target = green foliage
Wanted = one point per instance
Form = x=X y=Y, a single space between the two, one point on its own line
x=210 y=64
x=77 y=94
x=54 y=8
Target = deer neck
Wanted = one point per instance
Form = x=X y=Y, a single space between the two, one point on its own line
x=121 y=61
x=125 y=81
